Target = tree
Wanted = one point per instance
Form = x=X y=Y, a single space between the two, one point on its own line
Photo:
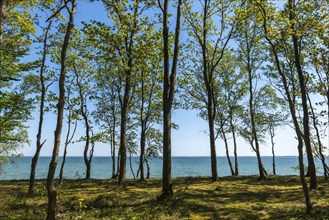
x=124 y=38
x=274 y=120
x=153 y=148
x=16 y=27
x=295 y=20
x=211 y=39
x=265 y=15
x=70 y=6
x=169 y=82
x=43 y=90
x=251 y=57
x=148 y=93
x=232 y=87
x=107 y=104
x=82 y=78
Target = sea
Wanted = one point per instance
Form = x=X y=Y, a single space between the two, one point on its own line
x=101 y=167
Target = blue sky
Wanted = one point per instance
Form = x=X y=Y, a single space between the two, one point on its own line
x=190 y=139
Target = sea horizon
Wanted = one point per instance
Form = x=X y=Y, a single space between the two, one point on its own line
x=182 y=166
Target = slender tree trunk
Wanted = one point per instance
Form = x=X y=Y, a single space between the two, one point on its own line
x=143 y=134
x=236 y=167
x=322 y=157
x=142 y=153
x=42 y=101
x=226 y=149
x=302 y=84
x=61 y=172
x=83 y=113
x=131 y=165
x=118 y=164
x=113 y=151
x=168 y=95
x=209 y=84
x=213 y=156
x=166 y=168
x=252 y=120
x=68 y=140
x=51 y=192
x=114 y=123
x=123 y=132
x=228 y=157
x=273 y=153
x=148 y=173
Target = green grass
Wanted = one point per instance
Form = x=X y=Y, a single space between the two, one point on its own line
x=194 y=198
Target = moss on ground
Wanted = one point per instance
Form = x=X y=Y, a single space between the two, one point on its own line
x=194 y=198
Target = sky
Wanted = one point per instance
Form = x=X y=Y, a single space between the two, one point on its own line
x=191 y=139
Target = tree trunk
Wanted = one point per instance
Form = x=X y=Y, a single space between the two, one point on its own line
x=61 y=172
x=113 y=132
x=236 y=167
x=252 y=120
x=302 y=84
x=69 y=137
x=143 y=134
x=168 y=95
x=214 y=172
x=142 y=153
x=42 y=101
x=51 y=208
x=113 y=151
x=322 y=157
x=123 y=133
x=148 y=174
x=226 y=149
x=131 y=165
x=118 y=163
x=273 y=153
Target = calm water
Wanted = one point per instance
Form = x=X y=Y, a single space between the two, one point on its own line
x=181 y=166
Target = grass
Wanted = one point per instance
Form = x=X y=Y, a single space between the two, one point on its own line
x=194 y=198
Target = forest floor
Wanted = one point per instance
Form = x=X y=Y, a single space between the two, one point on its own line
x=194 y=198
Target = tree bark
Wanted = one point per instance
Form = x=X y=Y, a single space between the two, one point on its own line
x=41 y=109
x=51 y=192
x=118 y=164
x=148 y=173
x=123 y=132
x=211 y=118
x=226 y=147
x=142 y=152
x=272 y=143
x=113 y=150
x=236 y=167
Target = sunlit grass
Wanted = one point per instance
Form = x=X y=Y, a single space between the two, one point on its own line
x=194 y=198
